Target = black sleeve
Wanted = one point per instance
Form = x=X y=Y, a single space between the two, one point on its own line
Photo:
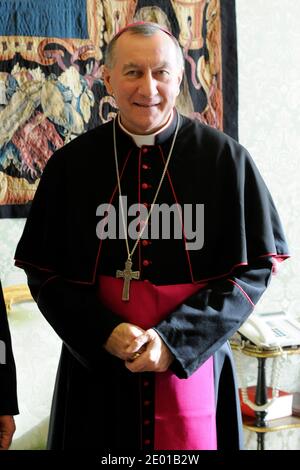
x=8 y=381
x=209 y=318
x=75 y=313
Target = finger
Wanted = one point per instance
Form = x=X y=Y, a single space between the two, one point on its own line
x=138 y=343
x=5 y=442
x=136 y=365
x=134 y=356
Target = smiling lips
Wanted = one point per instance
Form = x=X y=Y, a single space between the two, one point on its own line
x=142 y=105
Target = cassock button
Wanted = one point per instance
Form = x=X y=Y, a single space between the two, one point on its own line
x=146 y=262
x=147 y=442
x=146 y=186
x=145 y=167
x=147 y=402
x=146 y=383
x=146 y=242
x=144 y=150
x=147 y=422
x=146 y=204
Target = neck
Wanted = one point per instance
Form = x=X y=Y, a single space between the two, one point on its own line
x=146 y=139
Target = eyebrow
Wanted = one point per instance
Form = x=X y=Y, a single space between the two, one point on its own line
x=132 y=65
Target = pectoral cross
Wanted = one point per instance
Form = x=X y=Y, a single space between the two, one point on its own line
x=127 y=275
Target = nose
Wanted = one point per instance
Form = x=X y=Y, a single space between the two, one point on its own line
x=148 y=85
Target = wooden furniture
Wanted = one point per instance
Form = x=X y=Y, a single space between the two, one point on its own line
x=15 y=294
x=259 y=423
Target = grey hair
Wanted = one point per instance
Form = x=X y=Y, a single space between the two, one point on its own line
x=143 y=29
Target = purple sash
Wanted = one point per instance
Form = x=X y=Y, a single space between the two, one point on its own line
x=184 y=408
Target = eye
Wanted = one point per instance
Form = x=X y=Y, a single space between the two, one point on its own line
x=132 y=73
x=163 y=73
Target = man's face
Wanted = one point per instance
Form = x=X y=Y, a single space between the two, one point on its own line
x=144 y=80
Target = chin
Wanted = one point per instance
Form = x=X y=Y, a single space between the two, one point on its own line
x=145 y=124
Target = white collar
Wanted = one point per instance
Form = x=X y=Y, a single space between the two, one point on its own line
x=147 y=139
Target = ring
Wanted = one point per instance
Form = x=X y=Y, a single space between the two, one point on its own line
x=135 y=356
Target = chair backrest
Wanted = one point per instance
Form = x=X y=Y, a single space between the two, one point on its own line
x=15 y=294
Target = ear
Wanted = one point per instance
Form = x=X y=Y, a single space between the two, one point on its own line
x=107 y=80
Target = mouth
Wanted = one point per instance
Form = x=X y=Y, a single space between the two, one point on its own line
x=142 y=105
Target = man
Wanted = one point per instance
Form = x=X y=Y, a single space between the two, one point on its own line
x=8 y=389
x=145 y=312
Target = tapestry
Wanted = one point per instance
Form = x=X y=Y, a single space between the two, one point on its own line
x=51 y=87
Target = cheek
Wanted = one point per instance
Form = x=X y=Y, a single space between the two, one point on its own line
x=125 y=91
x=174 y=89
x=174 y=92
x=168 y=92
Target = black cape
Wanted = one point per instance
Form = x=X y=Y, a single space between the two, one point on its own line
x=208 y=167
x=60 y=252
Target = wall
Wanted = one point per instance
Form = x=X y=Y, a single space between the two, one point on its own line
x=269 y=99
x=269 y=82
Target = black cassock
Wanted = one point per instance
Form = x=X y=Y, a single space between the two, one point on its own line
x=8 y=382
x=97 y=401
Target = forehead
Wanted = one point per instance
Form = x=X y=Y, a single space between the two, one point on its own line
x=136 y=48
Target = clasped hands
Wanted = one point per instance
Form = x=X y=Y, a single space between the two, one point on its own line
x=142 y=351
